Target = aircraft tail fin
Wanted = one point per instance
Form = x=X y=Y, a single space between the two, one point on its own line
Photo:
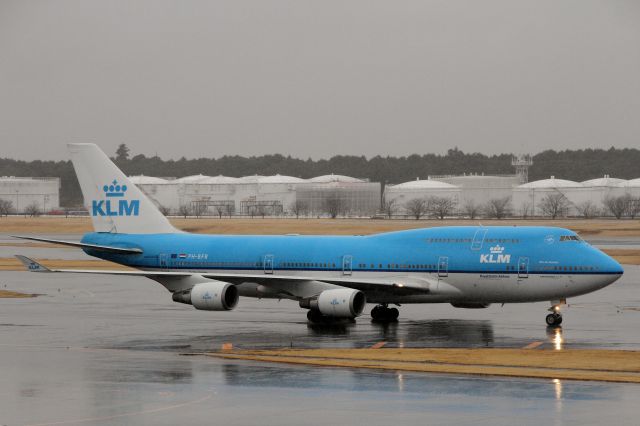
x=115 y=204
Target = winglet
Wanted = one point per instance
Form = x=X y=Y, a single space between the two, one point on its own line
x=32 y=265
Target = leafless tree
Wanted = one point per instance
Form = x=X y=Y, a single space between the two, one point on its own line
x=32 y=210
x=261 y=210
x=554 y=205
x=617 y=205
x=440 y=206
x=416 y=207
x=229 y=209
x=164 y=210
x=525 y=209
x=633 y=207
x=334 y=205
x=220 y=209
x=199 y=209
x=471 y=208
x=587 y=209
x=298 y=207
x=389 y=207
x=6 y=207
x=498 y=208
x=184 y=210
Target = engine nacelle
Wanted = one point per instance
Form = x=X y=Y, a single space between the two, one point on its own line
x=471 y=305
x=339 y=303
x=210 y=296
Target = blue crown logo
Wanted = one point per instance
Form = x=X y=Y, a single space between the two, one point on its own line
x=114 y=190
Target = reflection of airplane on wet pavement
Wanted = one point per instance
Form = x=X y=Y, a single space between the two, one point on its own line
x=331 y=276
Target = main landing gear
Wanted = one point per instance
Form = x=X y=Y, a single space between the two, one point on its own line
x=315 y=317
x=382 y=313
x=554 y=319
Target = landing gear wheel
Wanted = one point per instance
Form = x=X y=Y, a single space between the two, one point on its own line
x=382 y=313
x=315 y=317
x=553 y=319
x=394 y=313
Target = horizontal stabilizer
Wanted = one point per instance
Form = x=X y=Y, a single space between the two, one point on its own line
x=31 y=264
x=109 y=249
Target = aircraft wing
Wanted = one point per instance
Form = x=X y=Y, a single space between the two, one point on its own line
x=398 y=285
x=34 y=266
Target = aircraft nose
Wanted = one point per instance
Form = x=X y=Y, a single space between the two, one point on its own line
x=610 y=265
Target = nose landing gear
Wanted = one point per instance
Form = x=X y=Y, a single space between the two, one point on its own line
x=555 y=317
x=382 y=313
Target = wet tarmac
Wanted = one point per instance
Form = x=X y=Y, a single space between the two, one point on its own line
x=105 y=350
x=629 y=243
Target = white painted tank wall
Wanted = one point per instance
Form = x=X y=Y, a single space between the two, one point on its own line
x=594 y=191
x=420 y=189
x=175 y=194
x=359 y=198
x=480 y=188
x=362 y=197
x=24 y=191
x=631 y=187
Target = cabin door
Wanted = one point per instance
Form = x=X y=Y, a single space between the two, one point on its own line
x=478 y=239
x=163 y=261
x=443 y=266
x=268 y=264
x=523 y=267
x=347 y=264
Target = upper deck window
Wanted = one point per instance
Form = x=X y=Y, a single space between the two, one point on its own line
x=570 y=238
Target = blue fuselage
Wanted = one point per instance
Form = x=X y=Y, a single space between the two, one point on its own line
x=446 y=250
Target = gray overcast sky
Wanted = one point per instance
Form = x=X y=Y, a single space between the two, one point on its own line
x=318 y=78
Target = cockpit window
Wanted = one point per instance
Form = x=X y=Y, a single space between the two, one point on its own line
x=570 y=238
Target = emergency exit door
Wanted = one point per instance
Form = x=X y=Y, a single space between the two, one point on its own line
x=443 y=266
x=523 y=267
x=268 y=264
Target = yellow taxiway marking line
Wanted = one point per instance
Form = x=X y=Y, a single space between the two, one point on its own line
x=571 y=364
x=378 y=345
x=533 y=345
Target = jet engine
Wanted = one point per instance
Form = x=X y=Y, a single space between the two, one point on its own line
x=210 y=296
x=338 y=303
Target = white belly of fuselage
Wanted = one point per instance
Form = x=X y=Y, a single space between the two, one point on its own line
x=471 y=287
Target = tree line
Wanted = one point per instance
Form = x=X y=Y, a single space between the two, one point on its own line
x=569 y=164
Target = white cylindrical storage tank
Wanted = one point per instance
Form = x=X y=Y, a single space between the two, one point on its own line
x=478 y=189
x=158 y=190
x=212 y=195
x=531 y=195
x=335 y=178
x=20 y=193
x=404 y=193
x=191 y=179
x=596 y=191
x=346 y=195
x=630 y=187
x=274 y=195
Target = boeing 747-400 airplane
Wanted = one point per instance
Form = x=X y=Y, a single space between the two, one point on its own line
x=331 y=276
